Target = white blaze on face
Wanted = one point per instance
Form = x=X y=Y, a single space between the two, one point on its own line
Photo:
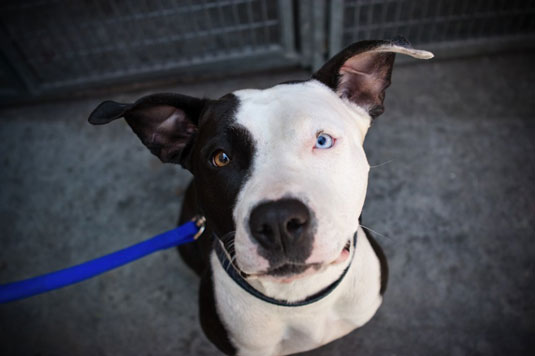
x=284 y=122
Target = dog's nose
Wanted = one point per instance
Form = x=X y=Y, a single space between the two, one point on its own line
x=283 y=226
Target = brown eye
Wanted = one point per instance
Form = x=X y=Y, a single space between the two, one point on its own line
x=220 y=159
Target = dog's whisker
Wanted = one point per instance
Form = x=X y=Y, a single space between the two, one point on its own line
x=382 y=164
x=375 y=232
x=230 y=247
x=227 y=236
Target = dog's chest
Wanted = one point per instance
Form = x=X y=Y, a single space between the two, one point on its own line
x=258 y=328
x=313 y=330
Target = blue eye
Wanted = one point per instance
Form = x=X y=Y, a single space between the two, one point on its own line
x=324 y=141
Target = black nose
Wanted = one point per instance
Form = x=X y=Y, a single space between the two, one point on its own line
x=283 y=226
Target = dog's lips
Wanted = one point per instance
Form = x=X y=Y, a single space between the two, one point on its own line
x=290 y=272
x=344 y=255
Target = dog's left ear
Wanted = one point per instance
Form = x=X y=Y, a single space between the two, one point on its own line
x=165 y=123
x=361 y=72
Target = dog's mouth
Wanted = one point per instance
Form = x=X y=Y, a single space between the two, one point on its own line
x=289 y=269
x=289 y=272
x=286 y=272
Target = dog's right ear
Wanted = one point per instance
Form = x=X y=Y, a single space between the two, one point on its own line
x=165 y=123
x=361 y=72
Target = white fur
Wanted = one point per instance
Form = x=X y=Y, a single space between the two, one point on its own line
x=258 y=328
x=284 y=122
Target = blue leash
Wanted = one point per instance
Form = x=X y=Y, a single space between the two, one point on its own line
x=185 y=233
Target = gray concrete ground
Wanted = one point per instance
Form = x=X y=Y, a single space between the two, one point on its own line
x=452 y=194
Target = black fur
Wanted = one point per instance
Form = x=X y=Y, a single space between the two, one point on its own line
x=382 y=261
x=166 y=123
x=218 y=187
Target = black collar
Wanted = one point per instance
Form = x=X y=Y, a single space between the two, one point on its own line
x=238 y=278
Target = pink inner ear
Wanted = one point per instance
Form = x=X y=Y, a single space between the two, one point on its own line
x=173 y=133
x=364 y=78
x=172 y=123
x=164 y=129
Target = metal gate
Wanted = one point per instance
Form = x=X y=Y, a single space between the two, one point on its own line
x=440 y=25
x=58 y=46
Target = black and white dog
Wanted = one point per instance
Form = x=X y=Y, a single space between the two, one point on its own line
x=281 y=176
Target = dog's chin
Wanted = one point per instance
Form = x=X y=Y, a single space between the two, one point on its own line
x=290 y=272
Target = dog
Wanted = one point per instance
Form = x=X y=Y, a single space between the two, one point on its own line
x=280 y=175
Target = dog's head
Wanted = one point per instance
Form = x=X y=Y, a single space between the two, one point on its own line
x=281 y=170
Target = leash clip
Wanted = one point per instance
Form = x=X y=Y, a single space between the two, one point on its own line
x=200 y=222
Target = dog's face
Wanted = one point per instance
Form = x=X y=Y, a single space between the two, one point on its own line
x=308 y=158
x=280 y=173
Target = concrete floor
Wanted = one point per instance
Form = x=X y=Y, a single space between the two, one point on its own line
x=452 y=195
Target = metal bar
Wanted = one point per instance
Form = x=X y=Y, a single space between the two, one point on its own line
x=130 y=35
x=270 y=57
x=458 y=28
x=252 y=34
x=420 y=28
x=265 y=18
x=105 y=35
x=305 y=29
x=384 y=9
x=143 y=31
x=221 y=16
x=287 y=26
x=11 y=85
x=436 y=19
x=156 y=25
x=369 y=22
x=197 y=33
x=236 y=17
x=432 y=20
x=17 y=62
x=336 y=27
x=354 y=3
x=411 y=20
x=318 y=33
x=119 y=17
x=357 y=22
x=397 y=18
x=209 y=24
x=174 y=38
x=447 y=22
x=80 y=64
